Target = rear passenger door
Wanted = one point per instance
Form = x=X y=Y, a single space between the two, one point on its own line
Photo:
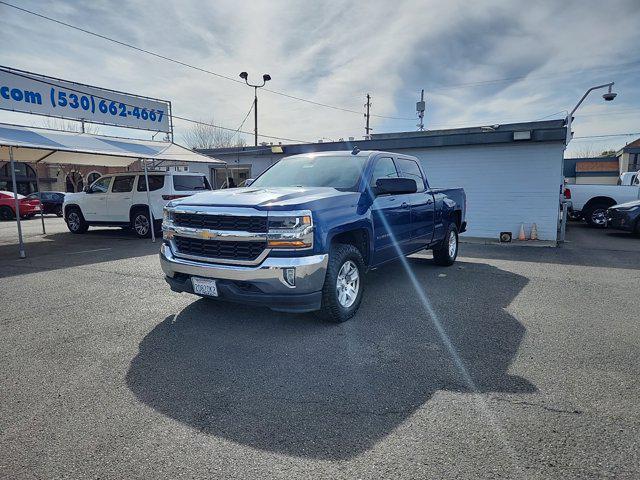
x=120 y=198
x=391 y=216
x=421 y=202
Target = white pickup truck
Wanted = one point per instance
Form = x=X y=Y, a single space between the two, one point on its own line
x=591 y=201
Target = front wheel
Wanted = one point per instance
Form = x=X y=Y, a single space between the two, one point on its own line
x=446 y=253
x=76 y=222
x=343 y=284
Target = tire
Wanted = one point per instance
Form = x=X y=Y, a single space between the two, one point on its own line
x=337 y=305
x=6 y=213
x=140 y=223
x=636 y=230
x=595 y=215
x=59 y=212
x=75 y=221
x=447 y=252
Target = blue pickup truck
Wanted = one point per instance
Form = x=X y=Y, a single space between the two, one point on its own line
x=303 y=234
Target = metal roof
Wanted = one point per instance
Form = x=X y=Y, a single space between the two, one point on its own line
x=544 y=131
x=31 y=144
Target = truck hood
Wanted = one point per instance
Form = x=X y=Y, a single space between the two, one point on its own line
x=268 y=198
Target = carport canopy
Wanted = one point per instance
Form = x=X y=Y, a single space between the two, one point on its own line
x=42 y=145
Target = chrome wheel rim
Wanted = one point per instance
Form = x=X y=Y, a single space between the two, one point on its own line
x=453 y=244
x=73 y=220
x=141 y=225
x=599 y=217
x=348 y=284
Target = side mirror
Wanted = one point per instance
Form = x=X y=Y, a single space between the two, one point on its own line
x=395 y=186
x=248 y=182
x=87 y=189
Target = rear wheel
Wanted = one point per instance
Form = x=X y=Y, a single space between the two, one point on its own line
x=58 y=211
x=447 y=252
x=75 y=221
x=596 y=215
x=343 y=287
x=140 y=223
x=6 y=213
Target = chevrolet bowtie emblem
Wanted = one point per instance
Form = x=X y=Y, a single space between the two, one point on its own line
x=206 y=235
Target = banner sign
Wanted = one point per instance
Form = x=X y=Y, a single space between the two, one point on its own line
x=41 y=95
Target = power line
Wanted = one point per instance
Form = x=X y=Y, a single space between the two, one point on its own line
x=244 y=120
x=238 y=130
x=630 y=134
x=184 y=64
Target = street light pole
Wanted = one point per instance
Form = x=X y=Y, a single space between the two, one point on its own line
x=265 y=78
x=255 y=116
x=609 y=96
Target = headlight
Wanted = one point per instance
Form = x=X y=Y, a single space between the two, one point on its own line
x=290 y=230
x=167 y=215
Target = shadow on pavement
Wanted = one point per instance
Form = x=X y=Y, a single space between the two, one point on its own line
x=295 y=385
x=64 y=250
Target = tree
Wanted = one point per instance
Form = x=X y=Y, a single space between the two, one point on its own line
x=204 y=135
x=609 y=153
x=70 y=125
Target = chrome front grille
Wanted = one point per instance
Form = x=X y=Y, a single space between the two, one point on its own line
x=214 y=249
x=230 y=223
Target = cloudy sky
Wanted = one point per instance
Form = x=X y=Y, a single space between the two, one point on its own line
x=480 y=63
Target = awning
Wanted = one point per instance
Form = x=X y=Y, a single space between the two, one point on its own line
x=43 y=145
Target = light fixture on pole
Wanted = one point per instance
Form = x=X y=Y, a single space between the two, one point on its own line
x=265 y=78
x=609 y=96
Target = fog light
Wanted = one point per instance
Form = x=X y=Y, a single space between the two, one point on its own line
x=290 y=276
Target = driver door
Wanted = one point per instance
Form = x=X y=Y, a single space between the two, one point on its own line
x=94 y=206
x=391 y=216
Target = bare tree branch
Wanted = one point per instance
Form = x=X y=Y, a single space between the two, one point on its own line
x=207 y=136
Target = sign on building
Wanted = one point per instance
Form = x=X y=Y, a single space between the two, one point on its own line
x=27 y=92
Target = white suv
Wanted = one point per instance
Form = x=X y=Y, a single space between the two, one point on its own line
x=120 y=199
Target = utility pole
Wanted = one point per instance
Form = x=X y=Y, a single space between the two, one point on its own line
x=420 y=108
x=367 y=115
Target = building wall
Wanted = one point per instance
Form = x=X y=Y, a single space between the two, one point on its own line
x=506 y=185
x=597 y=180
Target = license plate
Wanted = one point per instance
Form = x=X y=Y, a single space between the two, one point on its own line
x=204 y=286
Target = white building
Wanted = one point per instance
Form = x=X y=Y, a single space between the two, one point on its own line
x=512 y=174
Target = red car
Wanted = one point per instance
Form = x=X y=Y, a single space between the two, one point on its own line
x=28 y=206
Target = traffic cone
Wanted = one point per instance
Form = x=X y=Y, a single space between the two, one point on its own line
x=522 y=236
x=534 y=232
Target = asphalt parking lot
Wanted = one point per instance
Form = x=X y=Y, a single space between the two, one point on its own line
x=515 y=363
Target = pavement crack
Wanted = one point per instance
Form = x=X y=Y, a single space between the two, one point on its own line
x=539 y=405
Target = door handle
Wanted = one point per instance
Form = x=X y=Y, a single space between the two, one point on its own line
x=404 y=205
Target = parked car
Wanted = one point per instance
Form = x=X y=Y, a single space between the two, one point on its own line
x=51 y=201
x=625 y=216
x=302 y=236
x=28 y=207
x=121 y=200
x=591 y=202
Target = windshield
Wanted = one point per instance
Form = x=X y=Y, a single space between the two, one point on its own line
x=341 y=172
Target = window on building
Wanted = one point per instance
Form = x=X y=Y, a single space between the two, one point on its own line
x=74 y=182
x=92 y=177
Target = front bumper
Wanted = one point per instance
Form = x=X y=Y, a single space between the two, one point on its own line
x=263 y=284
x=620 y=220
